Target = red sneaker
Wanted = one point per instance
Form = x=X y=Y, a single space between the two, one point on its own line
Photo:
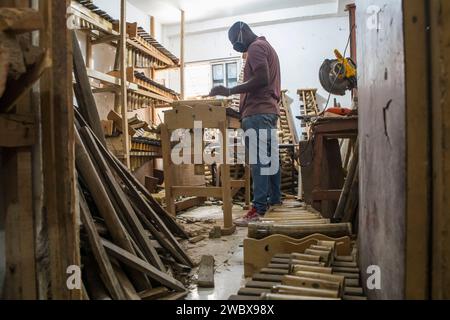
x=251 y=216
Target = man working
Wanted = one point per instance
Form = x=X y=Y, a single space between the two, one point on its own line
x=260 y=95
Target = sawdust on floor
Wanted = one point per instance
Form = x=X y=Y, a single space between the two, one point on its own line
x=227 y=251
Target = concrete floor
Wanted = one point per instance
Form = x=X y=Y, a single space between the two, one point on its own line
x=227 y=252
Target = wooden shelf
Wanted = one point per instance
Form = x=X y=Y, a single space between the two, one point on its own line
x=104 y=29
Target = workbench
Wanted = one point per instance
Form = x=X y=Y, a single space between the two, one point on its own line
x=214 y=114
x=324 y=130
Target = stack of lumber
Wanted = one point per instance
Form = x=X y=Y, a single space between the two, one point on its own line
x=308 y=109
x=313 y=268
x=289 y=172
x=21 y=64
x=347 y=208
x=129 y=245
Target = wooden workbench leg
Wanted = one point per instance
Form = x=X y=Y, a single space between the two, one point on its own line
x=229 y=227
x=318 y=156
x=167 y=163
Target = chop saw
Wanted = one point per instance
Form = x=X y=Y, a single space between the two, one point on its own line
x=338 y=75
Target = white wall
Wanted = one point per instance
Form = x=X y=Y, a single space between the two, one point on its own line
x=302 y=47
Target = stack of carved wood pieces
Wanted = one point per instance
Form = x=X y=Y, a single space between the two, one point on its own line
x=89 y=5
x=143 y=77
x=147 y=37
x=317 y=273
x=296 y=223
x=21 y=63
x=308 y=108
x=289 y=171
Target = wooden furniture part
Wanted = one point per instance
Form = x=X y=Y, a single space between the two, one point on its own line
x=182 y=116
x=326 y=187
x=317 y=270
x=308 y=108
x=259 y=253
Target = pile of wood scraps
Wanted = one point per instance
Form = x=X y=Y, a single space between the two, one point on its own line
x=129 y=242
x=316 y=267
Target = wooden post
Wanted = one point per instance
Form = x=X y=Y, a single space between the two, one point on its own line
x=226 y=184
x=182 y=57
x=88 y=50
x=58 y=149
x=168 y=169
x=123 y=78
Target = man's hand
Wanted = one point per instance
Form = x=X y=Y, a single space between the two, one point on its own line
x=220 y=91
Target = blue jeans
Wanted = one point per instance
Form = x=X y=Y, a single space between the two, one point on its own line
x=266 y=181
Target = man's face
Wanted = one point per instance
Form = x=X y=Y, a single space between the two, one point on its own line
x=238 y=42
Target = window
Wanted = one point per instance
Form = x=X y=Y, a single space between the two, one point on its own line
x=218 y=75
x=225 y=74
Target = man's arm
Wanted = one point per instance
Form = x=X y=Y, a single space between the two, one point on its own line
x=259 y=80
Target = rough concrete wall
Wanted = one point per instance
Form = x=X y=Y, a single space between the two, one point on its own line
x=382 y=151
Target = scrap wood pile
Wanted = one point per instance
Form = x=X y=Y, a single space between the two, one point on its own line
x=128 y=241
x=313 y=268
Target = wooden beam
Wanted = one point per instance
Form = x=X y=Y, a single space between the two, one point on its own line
x=123 y=78
x=16 y=130
x=83 y=91
x=107 y=272
x=142 y=266
x=206 y=272
x=58 y=149
x=189 y=191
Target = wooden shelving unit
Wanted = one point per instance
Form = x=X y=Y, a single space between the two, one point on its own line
x=144 y=55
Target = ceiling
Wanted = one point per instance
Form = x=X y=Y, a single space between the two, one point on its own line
x=167 y=11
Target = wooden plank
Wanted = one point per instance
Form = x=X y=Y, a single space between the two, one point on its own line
x=123 y=79
x=20 y=273
x=440 y=68
x=306 y=282
x=107 y=271
x=252 y=291
x=123 y=202
x=104 y=205
x=118 y=123
x=16 y=130
x=154 y=293
x=85 y=97
x=305 y=291
x=189 y=191
x=135 y=187
x=142 y=266
x=206 y=272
